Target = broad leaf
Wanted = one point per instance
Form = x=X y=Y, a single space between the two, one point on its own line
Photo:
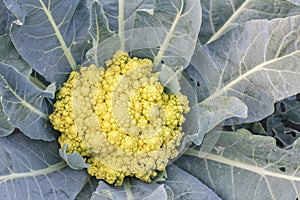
x=173 y=32
x=170 y=78
x=91 y=183
x=6 y=18
x=121 y=14
x=284 y=123
x=6 y=127
x=257 y=62
x=185 y=186
x=132 y=190
x=213 y=112
x=25 y=104
x=32 y=170
x=178 y=185
x=244 y=166
x=99 y=32
x=10 y=56
x=165 y=37
x=220 y=16
x=73 y=160
x=52 y=36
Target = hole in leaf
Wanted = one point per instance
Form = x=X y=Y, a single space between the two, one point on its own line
x=293 y=134
x=282 y=107
x=162 y=62
x=281 y=168
x=191 y=79
x=198 y=83
x=279 y=143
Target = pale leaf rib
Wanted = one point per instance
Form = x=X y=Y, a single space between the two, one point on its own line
x=53 y=168
x=59 y=36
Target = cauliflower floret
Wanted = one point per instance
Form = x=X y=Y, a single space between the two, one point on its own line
x=120 y=119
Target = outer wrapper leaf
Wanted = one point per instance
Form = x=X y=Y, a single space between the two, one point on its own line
x=121 y=14
x=31 y=170
x=26 y=105
x=177 y=24
x=244 y=166
x=99 y=31
x=179 y=185
x=52 y=36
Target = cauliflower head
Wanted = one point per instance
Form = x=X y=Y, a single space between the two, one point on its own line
x=120 y=119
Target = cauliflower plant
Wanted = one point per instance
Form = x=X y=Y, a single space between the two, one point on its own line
x=120 y=119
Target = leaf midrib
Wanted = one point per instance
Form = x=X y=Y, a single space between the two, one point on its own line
x=66 y=50
x=259 y=67
x=23 y=102
x=169 y=36
x=258 y=170
x=228 y=22
x=56 y=167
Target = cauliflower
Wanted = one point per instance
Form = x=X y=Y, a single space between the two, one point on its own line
x=120 y=119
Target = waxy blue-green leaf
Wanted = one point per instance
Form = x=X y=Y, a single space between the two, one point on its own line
x=52 y=36
x=99 y=31
x=31 y=169
x=133 y=190
x=10 y=56
x=6 y=18
x=73 y=160
x=244 y=166
x=284 y=123
x=170 y=78
x=176 y=25
x=6 y=127
x=257 y=62
x=185 y=186
x=221 y=16
x=25 y=104
x=121 y=14
x=178 y=185
x=213 y=112
x=90 y=185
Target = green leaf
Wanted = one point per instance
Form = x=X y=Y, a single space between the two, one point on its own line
x=121 y=15
x=104 y=12
x=173 y=27
x=73 y=160
x=170 y=78
x=283 y=124
x=90 y=186
x=99 y=32
x=25 y=104
x=186 y=186
x=31 y=170
x=213 y=112
x=10 y=56
x=6 y=127
x=244 y=166
x=6 y=18
x=131 y=190
x=221 y=16
x=52 y=36
x=256 y=62
x=179 y=185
